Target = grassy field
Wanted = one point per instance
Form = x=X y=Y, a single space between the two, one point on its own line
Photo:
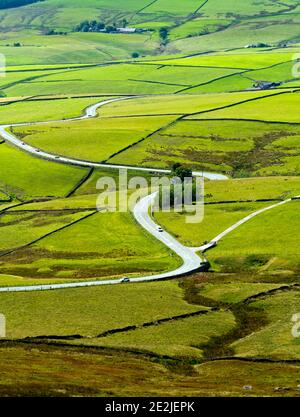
x=239 y=61
x=216 y=219
x=162 y=77
x=95 y=139
x=91 y=311
x=240 y=35
x=35 y=177
x=272 y=249
x=3 y=197
x=180 y=339
x=17 y=281
x=73 y=202
x=238 y=147
x=191 y=29
x=264 y=109
x=106 y=245
x=117 y=78
x=35 y=110
x=179 y=104
x=20 y=229
x=251 y=189
x=55 y=371
x=231 y=293
x=194 y=103
x=276 y=339
x=81 y=48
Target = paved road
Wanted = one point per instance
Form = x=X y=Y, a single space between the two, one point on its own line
x=214 y=241
x=191 y=261
x=90 y=112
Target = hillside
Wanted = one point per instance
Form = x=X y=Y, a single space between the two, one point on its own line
x=190 y=27
x=103 y=293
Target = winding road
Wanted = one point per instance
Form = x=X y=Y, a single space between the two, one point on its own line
x=90 y=112
x=230 y=229
x=191 y=261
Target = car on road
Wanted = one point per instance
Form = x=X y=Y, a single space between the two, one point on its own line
x=37 y=150
x=57 y=157
x=160 y=229
x=124 y=280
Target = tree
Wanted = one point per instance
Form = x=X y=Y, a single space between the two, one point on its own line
x=135 y=55
x=181 y=172
x=110 y=29
x=163 y=34
x=93 y=23
x=85 y=28
x=100 y=26
x=175 y=166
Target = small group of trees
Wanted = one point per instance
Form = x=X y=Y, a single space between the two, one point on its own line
x=54 y=32
x=181 y=172
x=163 y=35
x=90 y=26
x=174 y=193
x=95 y=26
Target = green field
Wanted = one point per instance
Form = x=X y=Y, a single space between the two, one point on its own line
x=35 y=177
x=20 y=229
x=275 y=339
x=238 y=147
x=180 y=339
x=217 y=218
x=274 y=248
x=264 y=110
x=179 y=104
x=251 y=189
x=232 y=293
x=101 y=139
x=35 y=111
x=100 y=252
x=91 y=311
x=60 y=371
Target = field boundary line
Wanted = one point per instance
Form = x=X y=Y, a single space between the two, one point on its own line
x=200 y=7
x=145 y=7
x=126 y=328
x=227 y=106
x=243 y=120
x=213 y=243
x=21 y=203
x=67 y=210
x=253 y=359
x=156 y=322
x=286 y=287
x=147 y=354
x=47 y=235
x=136 y=143
x=210 y=81
x=85 y=178
x=158 y=82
